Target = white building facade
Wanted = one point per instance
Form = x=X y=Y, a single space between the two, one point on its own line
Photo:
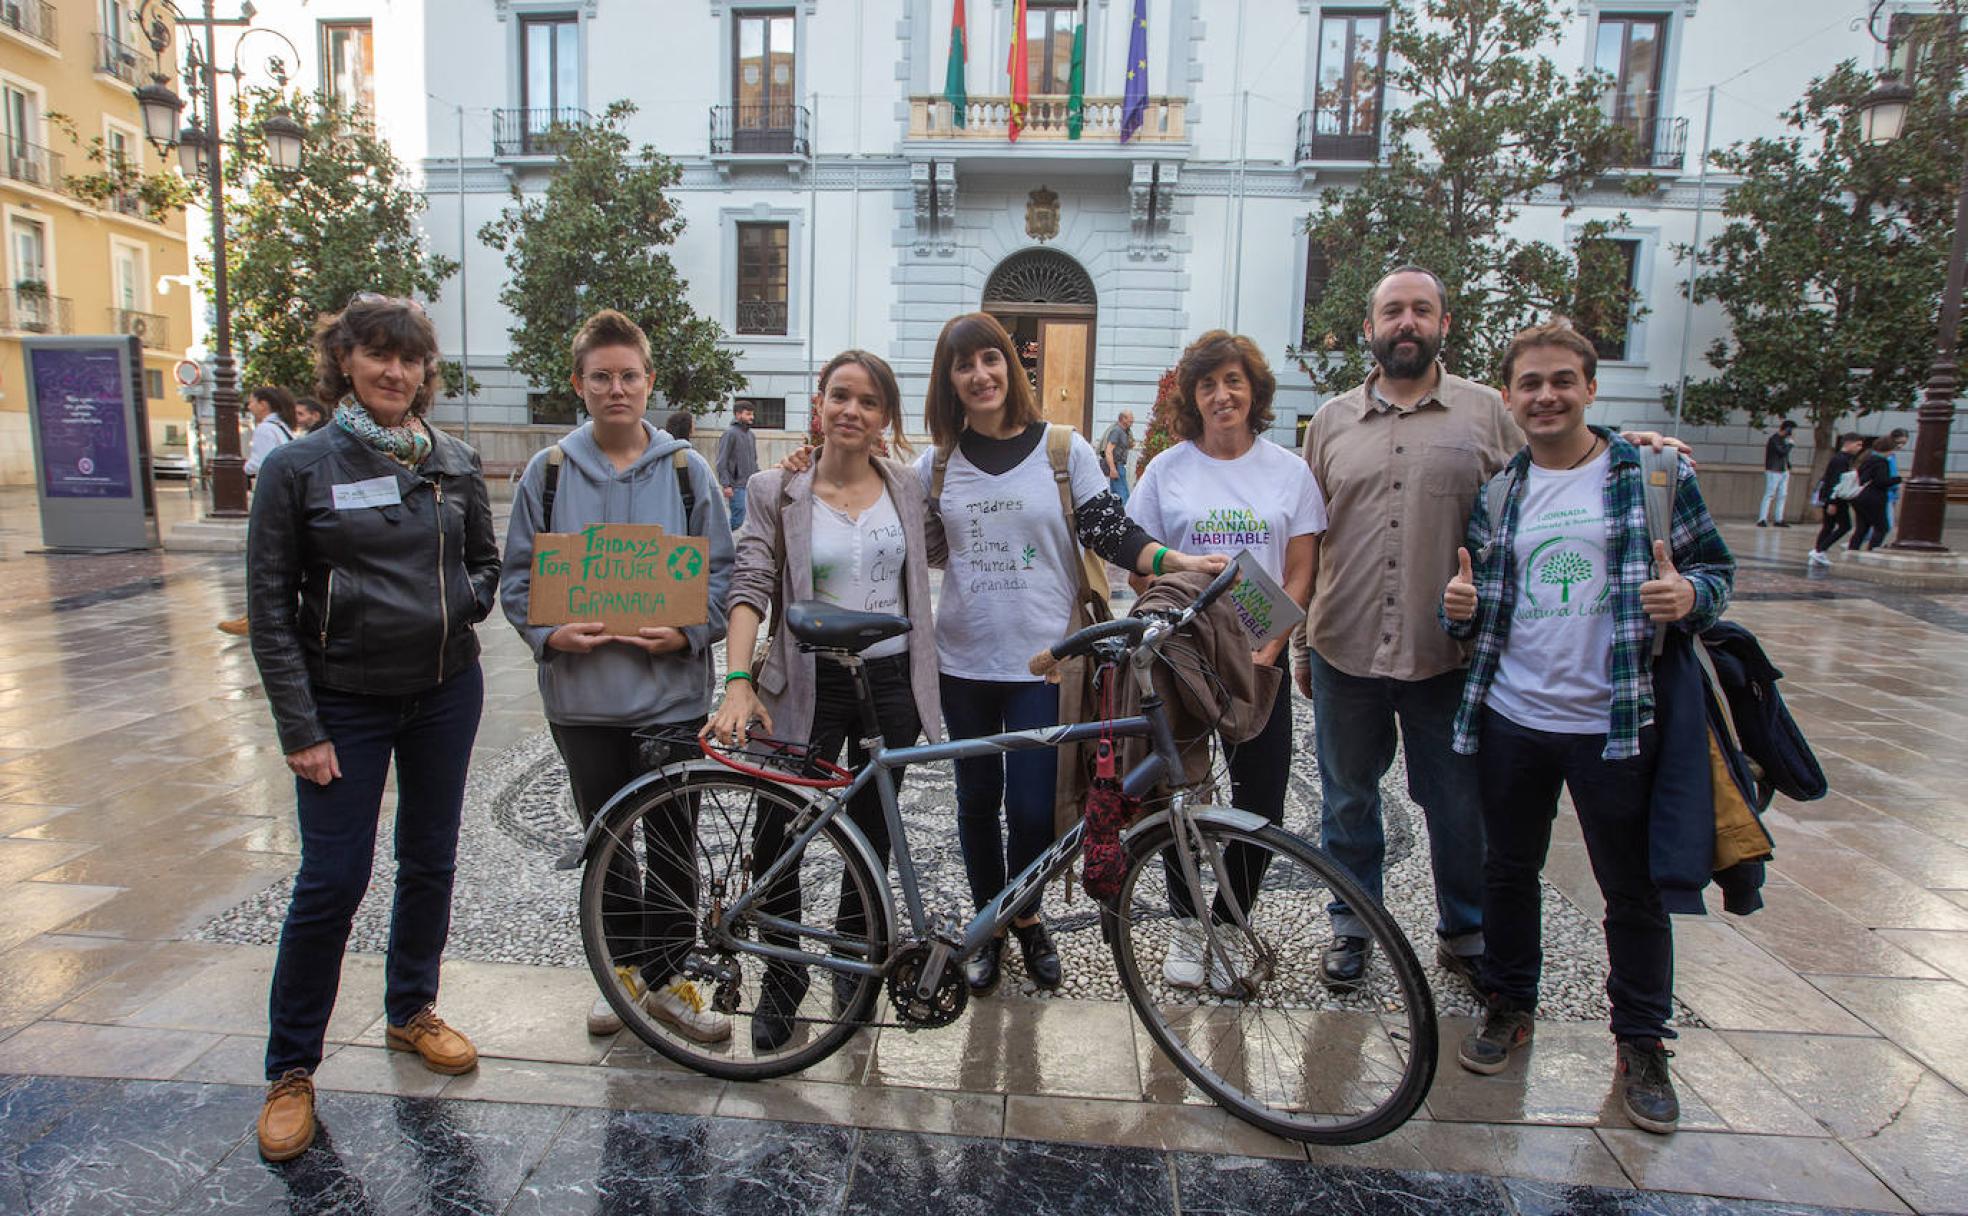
x=833 y=201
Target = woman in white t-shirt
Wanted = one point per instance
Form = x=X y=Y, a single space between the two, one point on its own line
x=1008 y=589
x=848 y=531
x=1224 y=489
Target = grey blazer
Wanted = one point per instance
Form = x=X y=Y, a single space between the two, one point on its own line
x=779 y=522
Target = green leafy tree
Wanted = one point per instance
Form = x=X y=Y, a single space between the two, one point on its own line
x=1491 y=121
x=1831 y=263
x=300 y=242
x=597 y=239
x=1563 y=570
x=158 y=196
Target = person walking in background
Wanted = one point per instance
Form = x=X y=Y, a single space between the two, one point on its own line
x=370 y=558
x=1900 y=438
x=681 y=424
x=274 y=424
x=1114 y=450
x=599 y=689
x=308 y=415
x=1877 y=483
x=1776 y=476
x=737 y=460
x=1226 y=489
x=1562 y=605
x=851 y=531
x=1835 y=507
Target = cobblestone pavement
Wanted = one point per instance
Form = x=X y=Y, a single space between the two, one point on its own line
x=145 y=815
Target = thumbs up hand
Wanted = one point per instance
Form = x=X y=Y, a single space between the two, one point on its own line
x=1666 y=597
x=1459 y=597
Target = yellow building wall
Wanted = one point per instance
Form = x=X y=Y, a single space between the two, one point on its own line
x=54 y=57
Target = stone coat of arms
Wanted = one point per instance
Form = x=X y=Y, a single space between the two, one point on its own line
x=1042 y=215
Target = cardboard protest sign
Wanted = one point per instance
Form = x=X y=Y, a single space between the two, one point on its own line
x=1263 y=608
x=623 y=575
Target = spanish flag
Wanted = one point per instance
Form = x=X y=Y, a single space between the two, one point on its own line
x=1021 y=89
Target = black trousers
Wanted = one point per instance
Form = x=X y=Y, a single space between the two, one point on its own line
x=1837 y=522
x=1522 y=770
x=649 y=915
x=1871 y=511
x=1260 y=769
x=836 y=721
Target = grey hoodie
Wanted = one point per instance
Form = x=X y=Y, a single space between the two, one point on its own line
x=618 y=685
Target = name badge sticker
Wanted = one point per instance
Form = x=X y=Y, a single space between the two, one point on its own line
x=375 y=492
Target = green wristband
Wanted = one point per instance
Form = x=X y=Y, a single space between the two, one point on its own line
x=741 y=675
x=1159 y=555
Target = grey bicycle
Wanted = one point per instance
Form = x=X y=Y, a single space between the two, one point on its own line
x=754 y=879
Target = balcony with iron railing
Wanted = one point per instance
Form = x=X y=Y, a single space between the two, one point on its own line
x=987 y=119
x=763 y=317
x=1657 y=141
x=124 y=202
x=534 y=132
x=120 y=60
x=1329 y=135
x=153 y=328
x=32 y=19
x=29 y=310
x=760 y=130
x=31 y=164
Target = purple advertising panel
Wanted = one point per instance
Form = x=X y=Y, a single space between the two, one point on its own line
x=85 y=442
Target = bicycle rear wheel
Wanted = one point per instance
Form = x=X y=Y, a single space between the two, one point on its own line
x=1254 y=1027
x=655 y=890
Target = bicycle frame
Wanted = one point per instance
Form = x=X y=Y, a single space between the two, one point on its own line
x=952 y=942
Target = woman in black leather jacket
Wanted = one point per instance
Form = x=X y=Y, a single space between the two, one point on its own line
x=369 y=559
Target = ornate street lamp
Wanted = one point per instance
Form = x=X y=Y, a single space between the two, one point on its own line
x=201 y=152
x=1882 y=118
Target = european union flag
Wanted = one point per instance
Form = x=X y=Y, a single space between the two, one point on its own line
x=1134 y=100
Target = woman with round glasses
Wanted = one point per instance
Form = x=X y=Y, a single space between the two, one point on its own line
x=598 y=689
x=370 y=557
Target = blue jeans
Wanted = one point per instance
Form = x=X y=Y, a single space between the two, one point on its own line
x=430 y=734
x=1776 y=487
x=737 y=502
x=1022 y=783
x=1522 y=770
x=1353 y=721
x=1119 y=486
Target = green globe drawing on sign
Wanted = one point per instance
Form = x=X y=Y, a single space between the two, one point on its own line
x=684 y=563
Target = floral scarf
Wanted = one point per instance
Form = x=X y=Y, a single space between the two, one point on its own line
x=407 y=445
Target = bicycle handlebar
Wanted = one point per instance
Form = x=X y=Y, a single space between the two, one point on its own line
x=1080 y=643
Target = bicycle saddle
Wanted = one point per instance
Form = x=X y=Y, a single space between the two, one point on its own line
x=822 y=626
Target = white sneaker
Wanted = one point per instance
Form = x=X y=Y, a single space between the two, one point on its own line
x=1183 y=968
x=681 y=1005
x=1819 y=559
x=602 y=1019
x=1228 y=941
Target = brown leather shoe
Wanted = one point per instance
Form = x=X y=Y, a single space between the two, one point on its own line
x=237 y=627
x=287 y=1119
x=443 y=1049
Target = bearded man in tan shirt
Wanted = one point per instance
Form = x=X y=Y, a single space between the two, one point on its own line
x=1401 y=460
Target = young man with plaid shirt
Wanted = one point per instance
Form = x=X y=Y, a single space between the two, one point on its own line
x=1563 y=602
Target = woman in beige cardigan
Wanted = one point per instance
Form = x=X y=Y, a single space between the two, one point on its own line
x=849 y=531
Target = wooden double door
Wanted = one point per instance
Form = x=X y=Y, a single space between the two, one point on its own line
x=1055 y=345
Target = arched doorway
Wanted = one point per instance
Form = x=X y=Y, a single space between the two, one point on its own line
x=1046 y=300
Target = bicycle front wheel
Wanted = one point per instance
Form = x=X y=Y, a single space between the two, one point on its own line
x=656 y=893
x=1223 y=969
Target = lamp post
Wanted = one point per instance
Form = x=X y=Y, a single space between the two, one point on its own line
x=1923 y=504
x=200 y=150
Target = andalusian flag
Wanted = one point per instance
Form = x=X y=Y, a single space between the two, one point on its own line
x=1021 y=87
x=1134 y=99
x=953 y=80
x=1076 y=104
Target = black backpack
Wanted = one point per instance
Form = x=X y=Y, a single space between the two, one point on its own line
x=679 y=460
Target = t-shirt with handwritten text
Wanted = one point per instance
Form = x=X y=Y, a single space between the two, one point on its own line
x=1556 y=673
x=857 y=563
x=1258 y=501
x=1008 y=587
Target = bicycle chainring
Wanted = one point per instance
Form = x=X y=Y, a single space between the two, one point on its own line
x=943 y=1006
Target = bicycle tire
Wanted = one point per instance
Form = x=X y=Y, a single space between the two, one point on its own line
x=722 y=808
x=1397 y=1040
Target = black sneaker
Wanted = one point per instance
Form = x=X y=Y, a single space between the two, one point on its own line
x=1762 y=523
x=1488 y=1050
x=1460 y=965
x=1041 y=956
x=1344 y=964
x=780 y=994
x=1646 y=1090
